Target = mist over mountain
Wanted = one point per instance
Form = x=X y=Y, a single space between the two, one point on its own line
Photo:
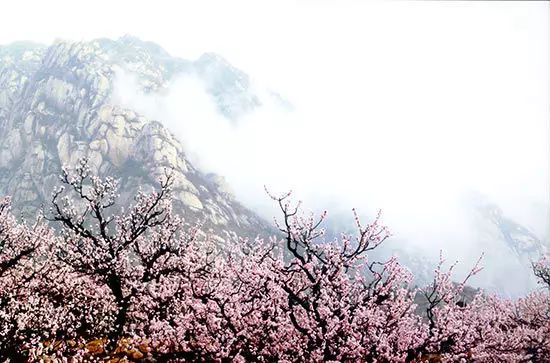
x=55 y=109
x=133 y=109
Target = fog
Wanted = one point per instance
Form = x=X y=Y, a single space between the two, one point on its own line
x=405 y=107
x=419 y=166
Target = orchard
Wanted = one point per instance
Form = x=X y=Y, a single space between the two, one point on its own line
x=90 y=280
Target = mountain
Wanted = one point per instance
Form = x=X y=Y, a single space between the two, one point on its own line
x=509 y=247
x=515 y=237
x=55 y=107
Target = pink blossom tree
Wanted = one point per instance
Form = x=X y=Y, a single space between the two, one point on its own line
x=23 y=252
x=121 y=254
x=138 y=283
x=541 y=269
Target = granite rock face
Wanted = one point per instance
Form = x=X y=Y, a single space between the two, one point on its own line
x=55 y=107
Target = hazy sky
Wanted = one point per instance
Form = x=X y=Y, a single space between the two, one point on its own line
x=403 y=106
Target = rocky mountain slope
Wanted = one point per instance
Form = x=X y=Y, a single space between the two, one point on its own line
x=55 y=107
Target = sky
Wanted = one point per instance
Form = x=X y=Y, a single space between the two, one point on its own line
x=404 y=106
